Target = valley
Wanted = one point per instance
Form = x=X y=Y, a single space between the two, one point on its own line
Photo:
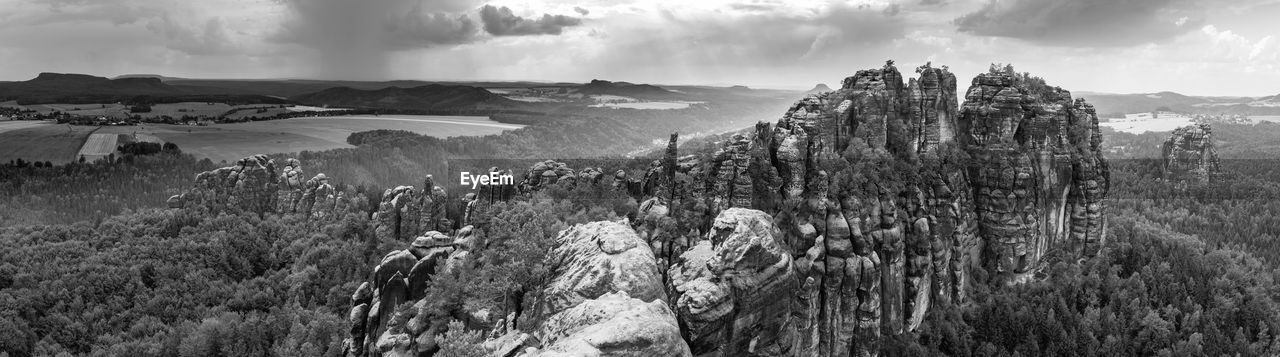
x=233 y=141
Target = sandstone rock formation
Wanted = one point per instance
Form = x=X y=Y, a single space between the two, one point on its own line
x=1038 y=174
x=741 y=280
x=818 y=235
x=604 y=297
x=402 y=276
x=406 y=212
x=255 y=185
x=1189 y=154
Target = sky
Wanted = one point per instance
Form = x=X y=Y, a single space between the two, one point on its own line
x=1196 y=47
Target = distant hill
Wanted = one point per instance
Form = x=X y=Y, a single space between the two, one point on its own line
x=427 y=97
x=295 y=87
x=820 y=88
x=1110 y=105
x=82 y=88
x=638 y=91
x=156 y=76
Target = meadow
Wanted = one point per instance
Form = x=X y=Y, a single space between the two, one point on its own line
x=41 y=141
x=237 y=140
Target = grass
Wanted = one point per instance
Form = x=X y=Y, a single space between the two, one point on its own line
x=231 y=142
x=41 y=141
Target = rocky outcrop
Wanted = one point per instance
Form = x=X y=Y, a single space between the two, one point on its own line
x=996 y=184
x=255 y=185
x=819 y=235
x=403 y=276
x=613 y=324
x=406 y=212
x=932 y=108
x=248 y=186
x=605 y=297
x=740 y=280
x=1189 y=154
x=599 y=258
x=1037 y=172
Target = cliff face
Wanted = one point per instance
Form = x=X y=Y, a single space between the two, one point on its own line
x=1036 y=170
x=1189 y=154
x=817 y=235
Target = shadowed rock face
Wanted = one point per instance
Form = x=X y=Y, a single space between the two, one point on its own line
x=1037 y=173
x=820 y=234
x=1189 y=154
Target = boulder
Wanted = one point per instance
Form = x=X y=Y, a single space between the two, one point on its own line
x=613 y=324
x=599 y=258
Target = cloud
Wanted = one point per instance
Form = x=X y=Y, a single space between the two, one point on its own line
x=753 y=43
x=500 y=21
x=1084 y=23
x=355 y=39
x=581 y=11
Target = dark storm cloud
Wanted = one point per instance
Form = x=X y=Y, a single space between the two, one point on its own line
x=354 y=39
x=1084 y=23
x=755 y=39
x=500 y=21
x=581 y=11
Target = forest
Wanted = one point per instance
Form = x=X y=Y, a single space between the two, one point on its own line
x=1186 y=271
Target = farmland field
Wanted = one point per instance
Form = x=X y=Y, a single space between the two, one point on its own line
x=1144 y=122
x=234 y=141
x=98 y=146
x=41 y=141
x=174 y=110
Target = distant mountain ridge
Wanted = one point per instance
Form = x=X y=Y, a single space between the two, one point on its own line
x=1109 y=104
x=427 y=97
x=82 y=88
x=626 y=89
